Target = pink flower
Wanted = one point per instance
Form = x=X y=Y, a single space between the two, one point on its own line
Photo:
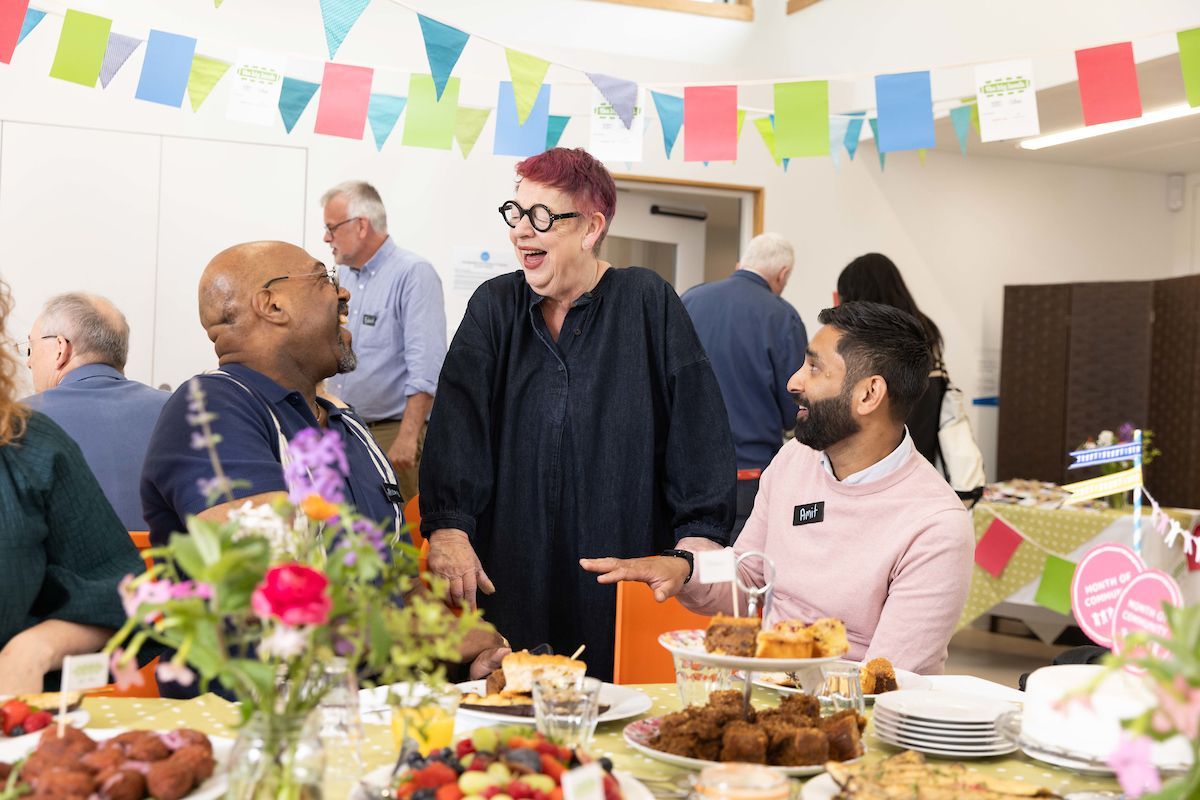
x=170 y=672
x=124 y=672
x=188 y=589
x=294 y=594
x=1178 y=709
x=1135 y=770
x=152 y=593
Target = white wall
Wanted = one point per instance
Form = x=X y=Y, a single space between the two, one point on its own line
x=960 y=228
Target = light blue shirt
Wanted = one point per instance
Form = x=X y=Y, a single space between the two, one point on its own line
x=398 y=321
x=111 y=418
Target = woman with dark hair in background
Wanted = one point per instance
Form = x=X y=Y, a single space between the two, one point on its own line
x=874 y=277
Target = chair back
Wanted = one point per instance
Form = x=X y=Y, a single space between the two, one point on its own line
x=141 y=540
x=149 y=687
x=412 y=516
x=638 y=657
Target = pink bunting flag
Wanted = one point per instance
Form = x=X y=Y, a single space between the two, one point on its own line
x=345 y=99
x=1108 y=84
x=12 y=17
x=710 y=123
x=996 y=548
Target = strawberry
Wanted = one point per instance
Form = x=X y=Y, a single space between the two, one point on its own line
x=557 y=794
x=15 y=713
x=450 y=792
x=547 y=748
x=434 y=775
x=464 y=748
x=551 y=767
x=37 y=720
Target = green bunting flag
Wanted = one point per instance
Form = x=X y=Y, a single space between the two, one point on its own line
x=205 y=74
x=467 y=127
x=528 y=72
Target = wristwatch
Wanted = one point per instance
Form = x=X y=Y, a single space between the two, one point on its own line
x=686 y=555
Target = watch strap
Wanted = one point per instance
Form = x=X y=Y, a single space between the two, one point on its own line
x=687 y=556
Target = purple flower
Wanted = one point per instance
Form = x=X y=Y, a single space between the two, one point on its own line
x=350 y=558
x=1125 y=432
x=343 y=646
x=1135 y=769
x=318 y=466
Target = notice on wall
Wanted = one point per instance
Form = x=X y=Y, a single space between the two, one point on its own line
x=257 y=80
x=610 y=140
x=474 y=265
x=1007 y=101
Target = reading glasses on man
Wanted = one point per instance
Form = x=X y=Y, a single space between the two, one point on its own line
x=25 y=348
x=331 y=229
x=327 y=273
x=539 y=215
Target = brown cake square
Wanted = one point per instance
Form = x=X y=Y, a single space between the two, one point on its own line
x=733 y=636
x=744 y=742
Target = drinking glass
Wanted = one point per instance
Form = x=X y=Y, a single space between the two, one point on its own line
x=696 y=681
x=741 y=782
x=341 y=730
x=425 y=715
x=566 y=710
x=841 y=689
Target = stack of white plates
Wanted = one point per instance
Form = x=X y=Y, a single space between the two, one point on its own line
x=950 y=724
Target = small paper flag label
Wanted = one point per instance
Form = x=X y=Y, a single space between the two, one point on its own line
x=716 y=566
x=583 y=783
x=80 y=673
x=996 y=548
x=1007 y=101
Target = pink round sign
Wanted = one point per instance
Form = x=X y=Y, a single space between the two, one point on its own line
x=1101 y=576
x=1140 y=608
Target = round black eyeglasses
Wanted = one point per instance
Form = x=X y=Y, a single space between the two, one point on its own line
x=539 y=215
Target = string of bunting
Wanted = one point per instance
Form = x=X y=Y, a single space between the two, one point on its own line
x=800 y=124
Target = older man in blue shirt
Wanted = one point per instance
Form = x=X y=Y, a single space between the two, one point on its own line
x=77 y=351
x=755 y=342
x=398 y=321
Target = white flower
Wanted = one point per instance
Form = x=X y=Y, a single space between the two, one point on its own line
x=1106 y=439
x=264 y=521
x=284 y=642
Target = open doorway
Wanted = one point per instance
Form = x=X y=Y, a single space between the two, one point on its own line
x=688 y=232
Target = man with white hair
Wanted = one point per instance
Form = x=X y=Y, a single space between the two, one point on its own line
x=398 y=322
x=77 y=351
x=755 y=342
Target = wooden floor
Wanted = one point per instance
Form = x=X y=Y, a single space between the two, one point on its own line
x=997 y=657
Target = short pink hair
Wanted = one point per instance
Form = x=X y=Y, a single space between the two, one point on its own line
x=578 y=174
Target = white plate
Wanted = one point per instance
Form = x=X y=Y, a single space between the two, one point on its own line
x=975 y=736
x=822 y=787
x=948 y=743
x=623 y=702
x=775 y=681
x=935 y=728
x=690 y=644
x=631 y=787
x=941 y=751
x=952 y=707
x=212 y=789
x=639 y=734
x=1085 y=767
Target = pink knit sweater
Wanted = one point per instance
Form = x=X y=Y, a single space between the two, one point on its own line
x=890 y=558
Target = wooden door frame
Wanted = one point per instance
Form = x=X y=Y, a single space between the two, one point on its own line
x=758 y=192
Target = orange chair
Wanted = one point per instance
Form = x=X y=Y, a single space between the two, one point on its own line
x=638 y=657
x=149 y=687
x=412 y=516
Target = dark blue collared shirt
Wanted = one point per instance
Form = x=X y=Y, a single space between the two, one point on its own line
x=250 y=450
x=755 y=342
x=110 y=417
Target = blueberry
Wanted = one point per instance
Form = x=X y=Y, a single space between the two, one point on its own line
x=424 y=794
x=415 y=760
x=18 y=730
x=525 y=758
x=606 y=762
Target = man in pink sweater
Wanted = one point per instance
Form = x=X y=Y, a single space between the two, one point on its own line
x=858 y=524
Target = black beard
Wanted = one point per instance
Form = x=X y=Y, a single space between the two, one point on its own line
x=347 y=359
x=829 y=422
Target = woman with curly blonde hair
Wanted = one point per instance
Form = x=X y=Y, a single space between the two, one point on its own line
x=64 y=549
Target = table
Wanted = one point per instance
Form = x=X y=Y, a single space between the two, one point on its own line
x=217 y=717
x=1070 y=533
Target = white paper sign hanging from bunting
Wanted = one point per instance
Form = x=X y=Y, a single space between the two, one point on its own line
x=1007 y=100
x=610 y=140
x=257 y=80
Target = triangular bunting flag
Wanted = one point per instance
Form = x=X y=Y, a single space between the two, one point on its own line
x=13 y=14
x=622 y=94
x=467 y=127
x=294 y=97
x=853 y=134
x=443 y=46
x=382 y=113
x=32 y=17
x=120 y=48
x=741 y=121
x=203 y=77
x=961 y=117
x=766 y=129
x=837 y=135
x=875 y=133
x=339 y=17
x=217 y=3
x=527 y=72
x=1189 y=61
x=554 y=129
x=670 y=117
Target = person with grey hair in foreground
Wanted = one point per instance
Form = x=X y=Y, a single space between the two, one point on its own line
x=77 y=351
x=398 y=320
x=755 y=342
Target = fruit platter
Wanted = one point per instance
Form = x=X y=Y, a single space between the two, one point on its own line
x=508 y=763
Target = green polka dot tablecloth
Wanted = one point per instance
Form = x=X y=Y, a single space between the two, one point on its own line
x=219 y=718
